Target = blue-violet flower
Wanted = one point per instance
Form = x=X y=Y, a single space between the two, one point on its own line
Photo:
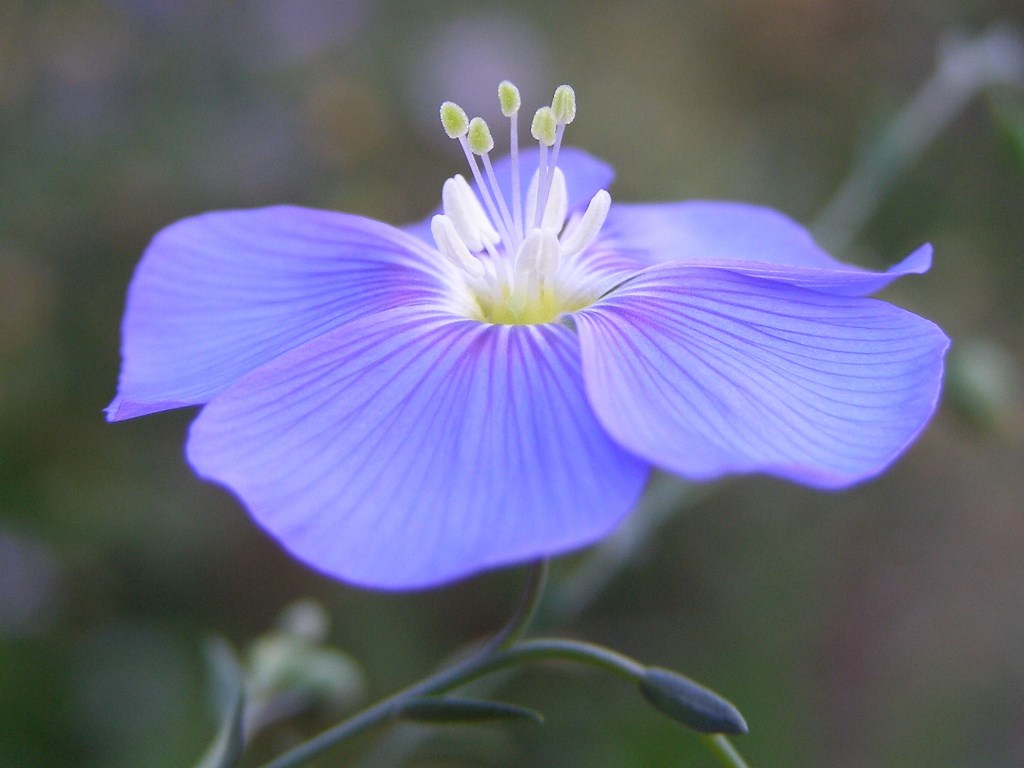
x=403 y=407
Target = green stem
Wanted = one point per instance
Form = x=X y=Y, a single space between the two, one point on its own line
x=557 y=649
x=504 y=650
x=723 y=750
x=521 y=619
x=479 y=664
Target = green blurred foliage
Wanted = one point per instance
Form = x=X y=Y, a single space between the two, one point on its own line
x=880 y=627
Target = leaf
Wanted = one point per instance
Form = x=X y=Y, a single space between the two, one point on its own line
x=433 y=709
x=690 y=703
x=229 y=693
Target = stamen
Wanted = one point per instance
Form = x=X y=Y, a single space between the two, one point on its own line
x=473 y=136
x=463 y=208
x=588 y=227
x=451 y=246
x=481 y=142
x=563 y=105
x=481 y=138
x=529 y=272
x=547 y=130
x=506 y=218
x=508 y=96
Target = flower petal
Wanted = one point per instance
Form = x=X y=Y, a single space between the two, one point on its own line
x=217 y=295
x=413 y=447
x=748 y=239
x=706 y=372
x=584 y=176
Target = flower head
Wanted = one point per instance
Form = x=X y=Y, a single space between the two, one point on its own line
x=402 y=407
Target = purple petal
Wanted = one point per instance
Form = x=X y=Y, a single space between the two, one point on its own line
x=584 y=176
x=413 y=447
x=748 y=239
x=705 y=372
x=218 y=295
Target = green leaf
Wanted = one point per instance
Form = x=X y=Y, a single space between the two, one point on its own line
x=435 y=709
x=690 y=703
x=229 y=694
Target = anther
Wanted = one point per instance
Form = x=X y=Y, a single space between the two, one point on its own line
x=544 y=126
x=480 y=140
x=508 y=96
x=564 y=104
x=454 y=120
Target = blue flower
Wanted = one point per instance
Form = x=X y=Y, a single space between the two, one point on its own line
x=400 y=408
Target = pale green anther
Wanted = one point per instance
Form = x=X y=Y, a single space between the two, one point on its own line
x=544 y=125
x=454 y=120
x=564 y=104
x=480 y=140
x=508 y=95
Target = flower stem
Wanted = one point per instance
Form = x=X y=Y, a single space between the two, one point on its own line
x=520 y=622
x=506 y=649
x=723 y=750
x=479 y=664
x=558 y=649
x=964 y=68
x=488 y=658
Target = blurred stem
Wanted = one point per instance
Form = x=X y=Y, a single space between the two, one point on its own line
x=518 y=625
x=724 y=751
x=557 y=649
x=482 y=663
x=965 y=67
x=505 y=649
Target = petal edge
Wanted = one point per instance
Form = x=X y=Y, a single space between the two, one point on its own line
x=411 y=448
x=705 y=372
x=219 y=294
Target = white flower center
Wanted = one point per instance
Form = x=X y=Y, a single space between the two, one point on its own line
x=519 y=266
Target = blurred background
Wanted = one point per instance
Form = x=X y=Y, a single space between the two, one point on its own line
x=883 y=626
